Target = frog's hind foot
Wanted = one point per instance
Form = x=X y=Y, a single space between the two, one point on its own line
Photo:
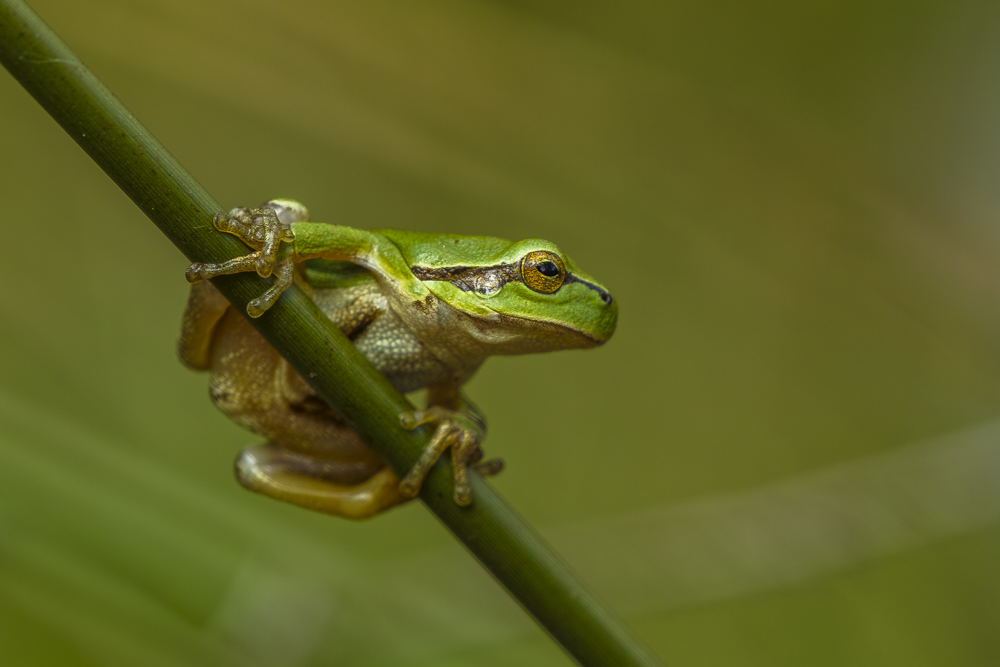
x=303 y=480
x=263 y=229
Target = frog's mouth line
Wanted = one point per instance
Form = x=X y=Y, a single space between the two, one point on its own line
x=557 y=327
x=488 y=280
x=521 y=321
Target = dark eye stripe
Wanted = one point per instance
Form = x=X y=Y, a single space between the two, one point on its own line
x=469 y=278
x=605 y=297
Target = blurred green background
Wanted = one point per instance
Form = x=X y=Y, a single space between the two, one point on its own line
x=789 y=454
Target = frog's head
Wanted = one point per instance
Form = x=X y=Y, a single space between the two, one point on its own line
x=520 y=297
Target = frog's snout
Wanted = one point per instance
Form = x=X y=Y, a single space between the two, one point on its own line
x=607 y=319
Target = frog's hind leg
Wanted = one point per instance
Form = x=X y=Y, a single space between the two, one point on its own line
x=204 y=311
x=303 y=480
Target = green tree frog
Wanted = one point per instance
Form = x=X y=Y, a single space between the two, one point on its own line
x=425 y=309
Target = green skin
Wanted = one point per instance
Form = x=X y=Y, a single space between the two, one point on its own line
x=426 y=309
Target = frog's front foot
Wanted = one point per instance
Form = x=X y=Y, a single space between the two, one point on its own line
x=263 y=229
x=458 y=430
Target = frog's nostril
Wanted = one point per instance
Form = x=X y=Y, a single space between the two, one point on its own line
x=606 y=298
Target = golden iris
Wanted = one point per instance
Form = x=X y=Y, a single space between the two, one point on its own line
x=543 y=271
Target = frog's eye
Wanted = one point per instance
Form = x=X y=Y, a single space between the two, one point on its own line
x=543 y=271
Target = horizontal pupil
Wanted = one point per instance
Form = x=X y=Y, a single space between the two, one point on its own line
x=548 y=269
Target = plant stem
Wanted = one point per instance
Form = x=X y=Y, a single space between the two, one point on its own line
x=490 y=529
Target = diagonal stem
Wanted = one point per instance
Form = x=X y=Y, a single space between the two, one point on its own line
x=489 y=528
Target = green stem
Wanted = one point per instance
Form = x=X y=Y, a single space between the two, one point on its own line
x=490 y=529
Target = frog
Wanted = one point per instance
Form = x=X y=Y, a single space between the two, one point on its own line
x=425 y=309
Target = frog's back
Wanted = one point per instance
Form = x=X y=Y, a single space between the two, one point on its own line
x=423 y=249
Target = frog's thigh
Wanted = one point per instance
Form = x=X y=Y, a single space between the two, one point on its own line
x=205 y=308
x=252 y=384
x=299 y=479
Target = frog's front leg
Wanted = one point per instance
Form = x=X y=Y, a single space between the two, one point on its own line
x=263 y=229
x=281 y=235
x=460 y=426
